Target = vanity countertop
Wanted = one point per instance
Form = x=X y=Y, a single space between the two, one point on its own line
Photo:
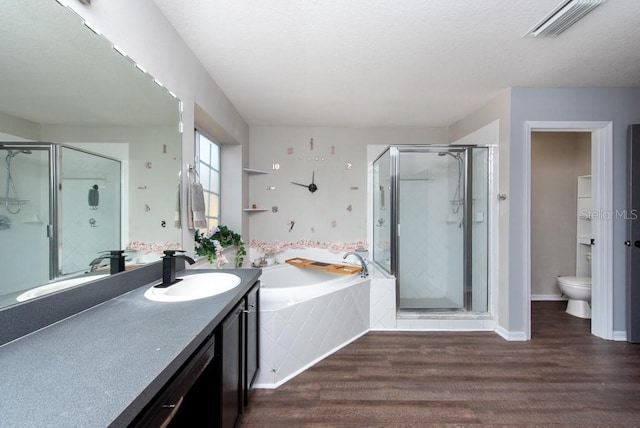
x=101 y=366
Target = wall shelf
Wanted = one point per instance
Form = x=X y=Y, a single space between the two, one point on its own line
x=583 y=227
x=255 y=210
x=251 y=171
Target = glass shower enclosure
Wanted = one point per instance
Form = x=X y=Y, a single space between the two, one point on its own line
x=430 y=214
x=59 y=209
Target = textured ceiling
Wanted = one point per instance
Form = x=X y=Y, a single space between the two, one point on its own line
x=396 y=63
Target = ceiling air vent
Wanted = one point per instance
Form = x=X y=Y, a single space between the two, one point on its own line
x=563 y=17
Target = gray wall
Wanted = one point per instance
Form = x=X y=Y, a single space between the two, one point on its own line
x=620 y=105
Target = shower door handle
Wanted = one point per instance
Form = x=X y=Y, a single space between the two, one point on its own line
x=49 y=231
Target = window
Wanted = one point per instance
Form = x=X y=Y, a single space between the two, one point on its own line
x=208 y=161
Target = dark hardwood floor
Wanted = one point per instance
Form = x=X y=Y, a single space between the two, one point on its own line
x=564 y=376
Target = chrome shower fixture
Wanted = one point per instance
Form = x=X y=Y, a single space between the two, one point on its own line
x=11 y=187
x=13 y=153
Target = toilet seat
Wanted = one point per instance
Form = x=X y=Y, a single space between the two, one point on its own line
x=575 y=281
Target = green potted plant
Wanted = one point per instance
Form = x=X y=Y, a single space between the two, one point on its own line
x=214 y=241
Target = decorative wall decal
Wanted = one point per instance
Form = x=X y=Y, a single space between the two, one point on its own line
x=93 y=222
x=313 y=229
x=274 y=209
x=164 y=148
x=349 y=208
x=150 y=247
x=289 y=150
x=280 y=246
x=291 y=224
x=354 y=187
x=142 y=187
x=271 y=187
x=147 y=208
x=311 y=144
x=148 y=165
x=275 y=166
x=348 y=165
x=163 y=223
x=333 y=150
x=333 y=223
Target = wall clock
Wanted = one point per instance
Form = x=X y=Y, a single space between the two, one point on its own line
x=311 y=187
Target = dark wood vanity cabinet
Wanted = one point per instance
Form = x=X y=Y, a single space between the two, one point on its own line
x=229 y=336
x=238 y=358
x=188 y=398
x=252 y=345
x=212 y=387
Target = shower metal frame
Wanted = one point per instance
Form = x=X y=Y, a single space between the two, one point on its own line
x=394 y=152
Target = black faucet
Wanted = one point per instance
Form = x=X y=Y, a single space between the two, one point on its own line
x=116 y=264
x=169 y=266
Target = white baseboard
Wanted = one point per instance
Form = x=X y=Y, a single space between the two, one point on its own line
x=512 y=336
x=547 y=297
x=620 y=336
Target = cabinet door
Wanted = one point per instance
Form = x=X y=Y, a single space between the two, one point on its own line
x=251 y=339
x=230 y=335
x=188 y=398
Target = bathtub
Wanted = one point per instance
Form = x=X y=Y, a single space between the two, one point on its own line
x=305 y=316
x=285 y=285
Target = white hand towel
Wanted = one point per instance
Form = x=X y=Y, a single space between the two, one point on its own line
x=177 y=219
x=197 y=205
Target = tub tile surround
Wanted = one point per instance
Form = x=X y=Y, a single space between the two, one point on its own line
x=295 y=338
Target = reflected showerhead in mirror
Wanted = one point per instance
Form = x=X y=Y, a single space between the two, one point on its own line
x=453 y=155
x=13 y=153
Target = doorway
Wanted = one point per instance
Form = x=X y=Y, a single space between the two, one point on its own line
x=560 y=211
x=601 y=225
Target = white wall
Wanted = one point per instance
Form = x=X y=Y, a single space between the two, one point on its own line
x=483 y=122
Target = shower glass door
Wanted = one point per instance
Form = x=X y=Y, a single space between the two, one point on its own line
x=25 y=217
x=431 y=263
x=382 y=211
x=88 y=208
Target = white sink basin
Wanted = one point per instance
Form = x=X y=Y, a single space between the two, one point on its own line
x=194 y=287
x=57 y=286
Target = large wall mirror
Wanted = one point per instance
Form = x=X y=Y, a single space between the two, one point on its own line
x=90 y=152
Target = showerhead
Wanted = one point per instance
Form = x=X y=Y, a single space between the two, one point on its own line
x=13 y=153
x=453 y=155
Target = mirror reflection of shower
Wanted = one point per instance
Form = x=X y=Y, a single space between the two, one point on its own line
x=456 y=202
x=11 y=195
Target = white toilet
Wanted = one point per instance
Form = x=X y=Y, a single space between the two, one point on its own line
x=578 y=290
